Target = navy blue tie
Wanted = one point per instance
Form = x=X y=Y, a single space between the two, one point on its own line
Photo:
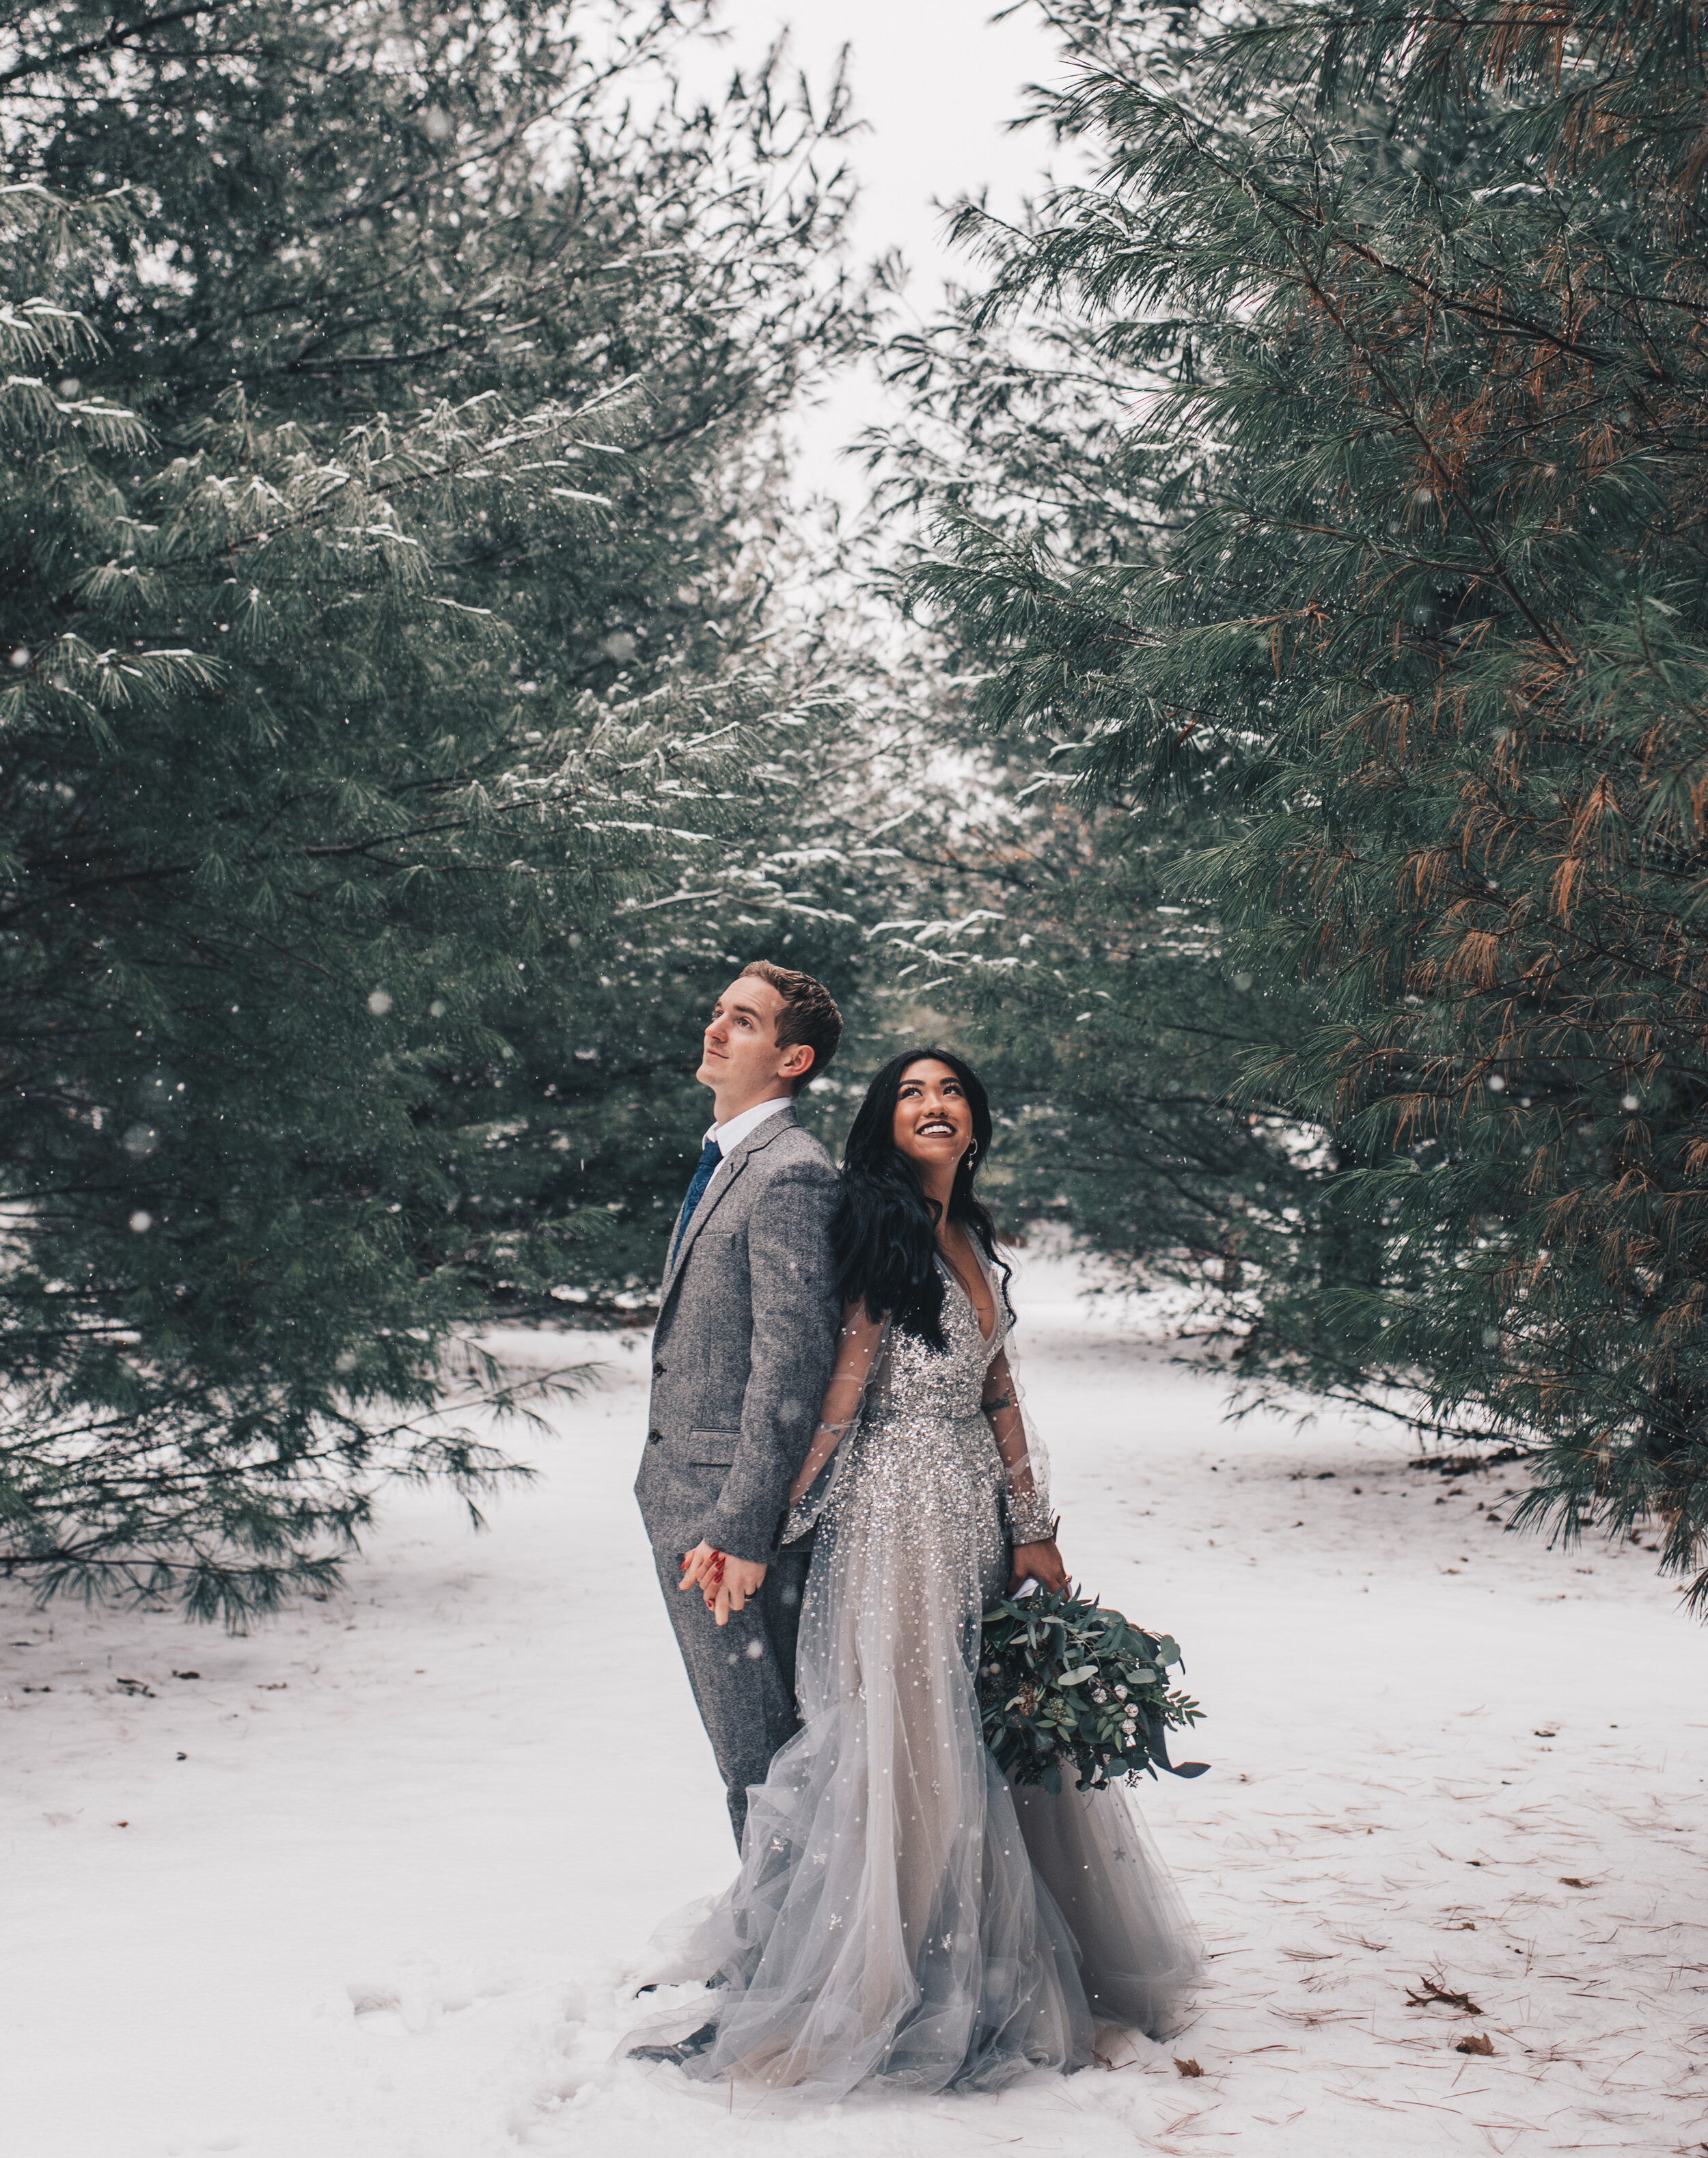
x=710 y=1154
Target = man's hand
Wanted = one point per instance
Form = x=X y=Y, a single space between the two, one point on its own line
x=726 y=1582
x=1039 y=1563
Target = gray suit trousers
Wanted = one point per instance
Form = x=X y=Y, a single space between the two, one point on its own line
x=743 y=1675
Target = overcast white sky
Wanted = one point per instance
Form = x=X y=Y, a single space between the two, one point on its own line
x=936 y=80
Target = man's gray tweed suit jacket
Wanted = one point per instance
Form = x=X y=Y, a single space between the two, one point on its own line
x=745 y=1341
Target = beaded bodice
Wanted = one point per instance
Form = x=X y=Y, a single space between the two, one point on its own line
x=929 y=1385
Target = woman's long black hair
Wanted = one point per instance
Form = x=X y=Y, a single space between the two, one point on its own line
x=884 y=1233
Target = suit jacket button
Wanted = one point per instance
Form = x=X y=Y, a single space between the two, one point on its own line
x=656 y=1438
x=659 y=1370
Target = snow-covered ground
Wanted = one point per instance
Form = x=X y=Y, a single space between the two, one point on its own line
x=372 y=1883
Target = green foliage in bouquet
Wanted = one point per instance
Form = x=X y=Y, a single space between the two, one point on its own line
x=1063 y=1683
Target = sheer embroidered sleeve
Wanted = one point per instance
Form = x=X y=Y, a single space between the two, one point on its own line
x=1024 y=1466
x=858 y=1347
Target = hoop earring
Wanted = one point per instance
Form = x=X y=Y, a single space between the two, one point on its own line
x=971 y=1154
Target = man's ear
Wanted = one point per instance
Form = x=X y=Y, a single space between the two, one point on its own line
x=798 y=1061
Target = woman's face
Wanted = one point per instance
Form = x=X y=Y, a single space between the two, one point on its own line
x=933 y=1123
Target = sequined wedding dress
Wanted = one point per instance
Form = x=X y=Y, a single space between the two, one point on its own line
x=902 y=1917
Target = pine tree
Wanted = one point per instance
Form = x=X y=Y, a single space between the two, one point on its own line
x=1422 y=295
x=1091 y=974
x=370 y=204
x=351 y=709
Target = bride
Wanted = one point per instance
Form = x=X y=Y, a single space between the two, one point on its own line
x=903 y=1917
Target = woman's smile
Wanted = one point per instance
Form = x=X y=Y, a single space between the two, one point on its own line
x=933 y=1121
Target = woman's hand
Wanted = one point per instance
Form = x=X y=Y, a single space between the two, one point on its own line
x=725 y=1582
x=1039 y=1563
x=798 y=1490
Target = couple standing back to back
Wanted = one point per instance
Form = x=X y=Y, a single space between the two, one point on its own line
x=837 y=1480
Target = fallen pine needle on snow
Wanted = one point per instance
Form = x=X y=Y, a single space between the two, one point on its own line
x=1434 y=1994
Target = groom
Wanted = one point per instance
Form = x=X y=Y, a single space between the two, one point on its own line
x=746 y=1336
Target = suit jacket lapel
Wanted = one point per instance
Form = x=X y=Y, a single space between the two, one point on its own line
x=723 y=1177
x=728 y=1170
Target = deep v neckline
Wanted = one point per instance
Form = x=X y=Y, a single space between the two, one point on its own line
x=954 y=1274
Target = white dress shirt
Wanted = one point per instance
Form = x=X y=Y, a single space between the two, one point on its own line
x=730 y=1136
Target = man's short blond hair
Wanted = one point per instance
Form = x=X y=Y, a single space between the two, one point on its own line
x=809 y=1017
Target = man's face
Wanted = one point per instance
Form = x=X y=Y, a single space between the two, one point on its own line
x=740 y=1061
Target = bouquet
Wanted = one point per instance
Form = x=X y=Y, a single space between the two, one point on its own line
x=1065 y=1684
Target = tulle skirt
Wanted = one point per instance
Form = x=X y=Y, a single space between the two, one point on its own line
x=902 y=1917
